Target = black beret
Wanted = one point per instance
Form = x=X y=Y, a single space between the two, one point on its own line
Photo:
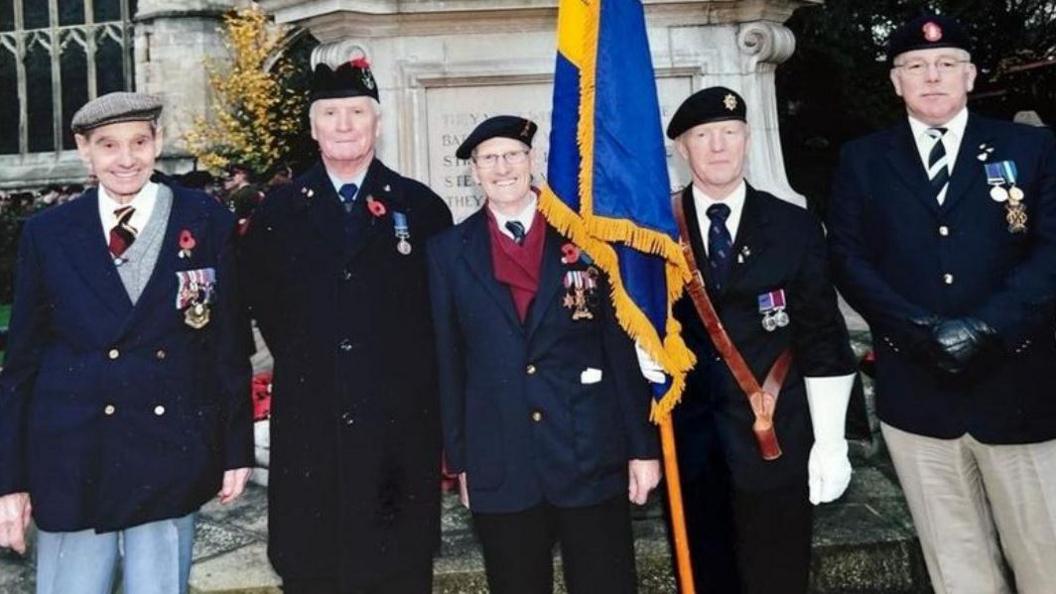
x=351 y=79
x=926 y=32
x=503 y=126
x=713 y=104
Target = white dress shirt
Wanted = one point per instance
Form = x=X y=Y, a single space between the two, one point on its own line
x=525 y=217
x=358 y=180
x=736 y=203
x=951 y=141
x=143 y=203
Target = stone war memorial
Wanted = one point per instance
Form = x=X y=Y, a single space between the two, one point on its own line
x=442 y=67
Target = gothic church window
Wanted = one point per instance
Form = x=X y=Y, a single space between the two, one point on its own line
x=55 y=55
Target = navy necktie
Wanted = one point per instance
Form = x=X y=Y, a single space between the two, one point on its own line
x=517 y=229
x=347 y=193
x=938 y=163
x=720 y=244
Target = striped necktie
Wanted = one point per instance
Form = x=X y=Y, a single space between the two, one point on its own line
x=122 y=234
x=720 y=245
x=938 y=164
x=517 y=229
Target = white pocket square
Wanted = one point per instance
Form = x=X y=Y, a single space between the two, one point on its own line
x=590 y=376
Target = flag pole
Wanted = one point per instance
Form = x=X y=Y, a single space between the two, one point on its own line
x=674 y=499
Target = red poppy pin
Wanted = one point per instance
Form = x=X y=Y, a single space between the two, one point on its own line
x=932 y=31
x=569 y=253
x=187 y=243
x=375 y=207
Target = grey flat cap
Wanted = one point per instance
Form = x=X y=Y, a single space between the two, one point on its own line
x=116 y=107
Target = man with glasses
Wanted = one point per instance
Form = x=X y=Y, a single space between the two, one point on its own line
x=545 y=414
x=943 y=236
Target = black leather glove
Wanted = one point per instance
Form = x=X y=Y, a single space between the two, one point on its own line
x=918 y=339
x=959 y=341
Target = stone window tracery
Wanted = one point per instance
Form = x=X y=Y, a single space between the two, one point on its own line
x=55 y=55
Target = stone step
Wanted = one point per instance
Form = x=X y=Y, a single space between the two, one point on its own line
x=864 y=543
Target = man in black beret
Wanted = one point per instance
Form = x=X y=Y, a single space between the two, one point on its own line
x=943 y=236
x=545 y=415
x=765 y=272
x=336 y=279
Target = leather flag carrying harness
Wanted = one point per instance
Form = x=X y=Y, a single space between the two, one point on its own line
x=761 y=399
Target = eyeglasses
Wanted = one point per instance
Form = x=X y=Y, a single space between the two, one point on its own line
x=920 y=67
x=492 y=159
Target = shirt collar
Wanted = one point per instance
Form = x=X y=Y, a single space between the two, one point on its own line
x=735 y=200
x=146 y=195
x=525 y=216
x=955 y=126
x=338 y=182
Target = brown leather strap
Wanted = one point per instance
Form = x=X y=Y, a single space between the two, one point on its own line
x=761 y=399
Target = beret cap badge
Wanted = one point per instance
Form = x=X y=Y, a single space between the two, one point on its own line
x=932 y=31
x=730 y=102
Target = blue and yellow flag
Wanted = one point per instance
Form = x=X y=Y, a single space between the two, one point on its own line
x=608 y=188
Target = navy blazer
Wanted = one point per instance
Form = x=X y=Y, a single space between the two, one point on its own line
x=779 y=246
x=517 y=417
x=899 y=255
x=113 y=415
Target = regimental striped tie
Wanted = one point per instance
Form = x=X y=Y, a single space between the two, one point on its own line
x=720 y=245
x=122 y=234
x=938 y=164
x=517 y=229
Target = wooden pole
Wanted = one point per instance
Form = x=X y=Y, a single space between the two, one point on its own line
x=674 y=499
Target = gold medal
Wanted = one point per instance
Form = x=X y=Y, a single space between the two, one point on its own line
x=196 y=316
x=999 y=194
x=1015 y=194
x=1016 y=217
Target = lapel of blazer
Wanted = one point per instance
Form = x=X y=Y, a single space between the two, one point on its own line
x=903 y=156
x=476 y=251
x=696 y=234
x=86 y=247
x=967 y=169
x=379 y=185
x=159 y=287
x=751 y=240
x=320 y=202
x=550 y=278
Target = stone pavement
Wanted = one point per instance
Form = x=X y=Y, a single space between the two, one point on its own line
x=864 y=543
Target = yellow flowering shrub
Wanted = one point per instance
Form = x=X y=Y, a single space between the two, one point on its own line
x=254 y=115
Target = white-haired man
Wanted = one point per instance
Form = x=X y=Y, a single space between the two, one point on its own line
x=336 y=280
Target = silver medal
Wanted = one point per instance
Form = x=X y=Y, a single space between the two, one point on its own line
x=404 y=247
x=999 y=194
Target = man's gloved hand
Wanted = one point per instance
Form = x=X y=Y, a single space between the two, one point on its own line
x=651 y=370
x=959 y=341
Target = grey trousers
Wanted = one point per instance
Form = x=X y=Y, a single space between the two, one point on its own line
x=156 y=559
x=981 y=511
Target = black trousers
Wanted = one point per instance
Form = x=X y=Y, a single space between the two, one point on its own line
x=597 y=548
x=419 y=582
x=744 y=542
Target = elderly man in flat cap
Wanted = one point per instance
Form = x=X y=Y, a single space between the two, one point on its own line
x=336 y=280
x=753 y=463
x=546 y=417
x=943 y=236
x=124 y=397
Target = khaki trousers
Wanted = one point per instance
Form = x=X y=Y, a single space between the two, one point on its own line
x=981 y=511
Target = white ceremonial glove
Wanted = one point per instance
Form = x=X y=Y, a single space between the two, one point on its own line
x=651 y=370
x=828 y=469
